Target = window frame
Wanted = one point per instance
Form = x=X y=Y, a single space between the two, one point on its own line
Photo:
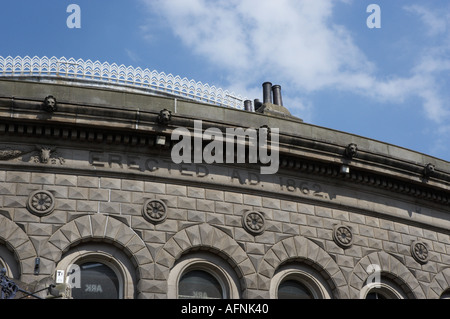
x=108 y=255
x=220 y=269
x=9 y=262
x=93 y=258
x=303 y=274
x=387 y=287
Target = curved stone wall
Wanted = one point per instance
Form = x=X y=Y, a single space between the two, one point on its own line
x=90 y=176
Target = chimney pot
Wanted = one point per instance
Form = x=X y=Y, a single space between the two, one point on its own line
x=267 y=92
x=257 y=103
x=248 y=105
x=277 y=100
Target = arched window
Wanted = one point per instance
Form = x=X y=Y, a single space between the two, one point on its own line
x=202 y=275
x=386 y=288
x=199 y=284
x=9 y=262
x=98 y=271
x=445 y=294
x=97 y=281
x=380 y=294
x=293 y=289
x=299 y=281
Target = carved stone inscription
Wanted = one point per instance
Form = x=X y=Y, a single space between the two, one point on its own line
x=146 y=164
x=225 y=175
x=307 y=188
x=238 y=177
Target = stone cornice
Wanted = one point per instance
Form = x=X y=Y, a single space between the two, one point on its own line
x=103 y=123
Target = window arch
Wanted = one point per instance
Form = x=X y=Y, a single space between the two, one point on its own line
x=98 y=270
x=202 y=275
x=298 y=281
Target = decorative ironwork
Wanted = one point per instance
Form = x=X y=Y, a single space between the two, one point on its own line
x=8 y=288
x=41 y=203
x=154 y=210
x=419 y=251
x=120 y=75
x=343 y=236
x=254 y=222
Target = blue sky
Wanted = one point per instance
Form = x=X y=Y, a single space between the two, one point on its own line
x=390 y=84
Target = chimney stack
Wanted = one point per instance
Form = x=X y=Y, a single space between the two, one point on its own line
x=257 y=103
x=272 y=103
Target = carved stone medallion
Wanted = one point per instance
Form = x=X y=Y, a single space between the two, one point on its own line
x=343 y=236
x=155 y=211
x=41 y=203
x=419 y=251
x=254 y=222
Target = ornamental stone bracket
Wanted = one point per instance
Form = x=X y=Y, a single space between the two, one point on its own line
x=164 y=117
x=351 y=150
x=50 y=104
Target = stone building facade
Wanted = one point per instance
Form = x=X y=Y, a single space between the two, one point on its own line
x=90 y=196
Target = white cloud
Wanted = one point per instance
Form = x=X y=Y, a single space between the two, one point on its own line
x=297 y=44
x=292 y=40
x=132 y=55
x=436 y=24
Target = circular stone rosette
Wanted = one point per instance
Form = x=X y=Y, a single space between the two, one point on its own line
x=254 y=222
x=155 y=211
x=419 y=251
x=343 y=236
x=41 y=203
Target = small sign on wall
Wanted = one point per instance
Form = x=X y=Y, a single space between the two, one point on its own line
x=60 y=276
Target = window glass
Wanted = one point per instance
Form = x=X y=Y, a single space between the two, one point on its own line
x=375 y=295
x=293 y=289
x=381 y=293
x=446 y=294
x=98 y=281
x=198 y=284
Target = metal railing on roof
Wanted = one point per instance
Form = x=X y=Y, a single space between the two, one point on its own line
x=118 y=75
